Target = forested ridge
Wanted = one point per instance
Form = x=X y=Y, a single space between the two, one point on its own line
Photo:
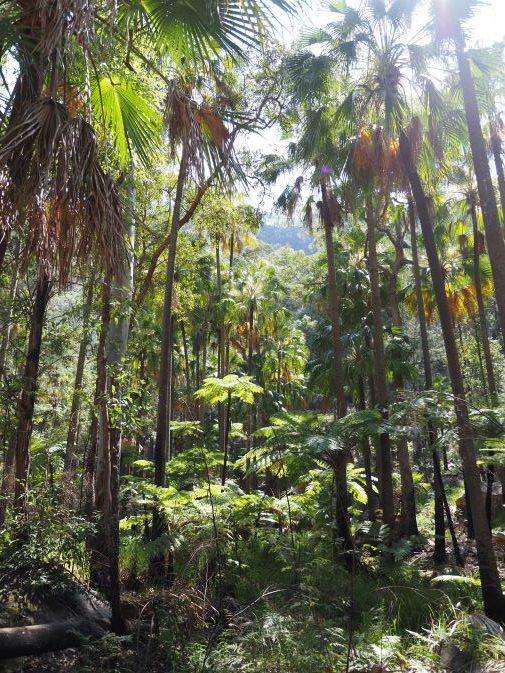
x=222 y=455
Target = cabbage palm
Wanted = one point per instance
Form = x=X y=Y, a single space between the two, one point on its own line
x=449 y=17
x=315 y=151
x=374 y=39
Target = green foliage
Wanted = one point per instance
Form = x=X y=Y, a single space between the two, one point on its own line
x=45 y=557
x=216 y=390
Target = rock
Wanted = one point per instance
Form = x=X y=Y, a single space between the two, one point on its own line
x=455 y=660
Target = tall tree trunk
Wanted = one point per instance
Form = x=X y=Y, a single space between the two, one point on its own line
x=162 y=441
x=7 y=485
x=98 y=477
x=408 y=517
x=484 y=336
x=224 y=472
x=339 y=460
x=99 y=397
x=121 y=296
x=69 y=464
x=494 y=602
x=439 y=554
x=27 y=399
x=221 y=346
x=381 y=387
x=487 y=197
x=250 y=410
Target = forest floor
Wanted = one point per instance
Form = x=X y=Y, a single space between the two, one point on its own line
x=393 y=615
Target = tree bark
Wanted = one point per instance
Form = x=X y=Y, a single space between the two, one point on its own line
x=381 y=387
x=99 y=397
x=494 y=602
x=487 y=197
x=221 y=409
x=162 y=440
x=439 y=553
x=367 y=457
x=7 y=326
x=121 y=295
x=484 y=336
x=340 y=459
x=69 y=464
x=483 y=327
x=408 y=516
x=28 y=393
x=25 y=641
x=496 y=147
x=98 y=497
x=187 y=370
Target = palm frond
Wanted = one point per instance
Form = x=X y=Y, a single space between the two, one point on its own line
x=54 y=176
x=134 y=123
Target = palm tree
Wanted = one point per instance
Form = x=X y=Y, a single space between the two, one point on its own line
x=448 y=19
x=494 y=602
x=376 y=37
x=441 y=502
x=315 y=150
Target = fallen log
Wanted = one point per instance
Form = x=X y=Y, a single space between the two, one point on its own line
x=22 y=641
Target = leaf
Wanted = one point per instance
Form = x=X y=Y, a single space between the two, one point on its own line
x=457 y=579
x=132 y=120
x=215 y=390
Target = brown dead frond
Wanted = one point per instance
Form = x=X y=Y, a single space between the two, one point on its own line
x=55 y=181
x=199 y=125
x=52 y=21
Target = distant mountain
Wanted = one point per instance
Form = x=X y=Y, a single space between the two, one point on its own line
x=294 y=237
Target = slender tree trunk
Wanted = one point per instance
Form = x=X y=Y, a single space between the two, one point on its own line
x=27 y=399
x=221 y=408
x=408 y=517
x=121 y=295
x=381 y=387
x=367 y=457
x=7 y=485
x=69 y=464
x=99 y=397
x=339 y=460
x=4 y=244
x=224 y=472
x=494 y=602
x=7 y=326
x=98 y=469
x=487 y=197
x=250 y=409
x=484 y=332
x=439 y=554
x=187 y=371
x=484 y=336
x=496 y=147
x=162 y=441
x=232 y=251
x=482 y=373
